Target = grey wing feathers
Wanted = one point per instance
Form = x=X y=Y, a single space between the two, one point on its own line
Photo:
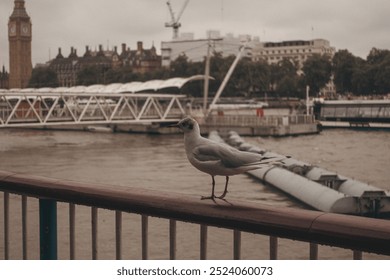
x=229 y=157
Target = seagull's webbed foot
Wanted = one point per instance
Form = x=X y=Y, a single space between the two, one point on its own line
x=212 y=197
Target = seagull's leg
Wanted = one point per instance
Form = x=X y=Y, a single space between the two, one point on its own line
x=212 y=191
x=225 y=191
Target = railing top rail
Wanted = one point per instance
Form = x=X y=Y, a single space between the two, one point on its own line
x=352 y=232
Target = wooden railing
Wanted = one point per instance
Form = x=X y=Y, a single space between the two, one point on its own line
x=358 y=234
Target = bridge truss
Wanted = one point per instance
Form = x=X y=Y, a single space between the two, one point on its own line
x=60 y=109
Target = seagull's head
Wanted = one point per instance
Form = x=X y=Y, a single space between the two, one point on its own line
x=187 y=125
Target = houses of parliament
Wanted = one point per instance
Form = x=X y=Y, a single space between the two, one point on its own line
x=66 y=67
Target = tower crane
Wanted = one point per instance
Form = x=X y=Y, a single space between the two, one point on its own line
x=174 y=23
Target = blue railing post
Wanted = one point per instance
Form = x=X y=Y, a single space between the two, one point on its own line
x=48 y=229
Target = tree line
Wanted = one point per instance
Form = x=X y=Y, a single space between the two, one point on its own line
x=287 y=78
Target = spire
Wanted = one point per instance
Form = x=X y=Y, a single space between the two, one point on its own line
x=19 y=10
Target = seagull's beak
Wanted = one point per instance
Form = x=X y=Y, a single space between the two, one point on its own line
x=173 y=125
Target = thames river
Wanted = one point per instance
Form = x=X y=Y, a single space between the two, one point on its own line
x=158 y=162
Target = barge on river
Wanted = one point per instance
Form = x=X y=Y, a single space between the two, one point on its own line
x=374 y=114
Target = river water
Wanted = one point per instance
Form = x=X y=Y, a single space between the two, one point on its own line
x=158 y=162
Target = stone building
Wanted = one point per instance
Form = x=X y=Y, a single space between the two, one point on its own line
x=19 y=37
x=140 y=60
x=196 y=49
x=296 y=50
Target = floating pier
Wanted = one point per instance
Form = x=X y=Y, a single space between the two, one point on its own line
x=317 y=187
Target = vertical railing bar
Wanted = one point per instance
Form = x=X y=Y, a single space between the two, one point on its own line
x=144 y=233
x=273 y=248
x=48 y=229
x=24 y=226
x=6 y=225
x=94 y=218
x=203 y=242
x=72 y=230
x=118 y=234
x=236 y=244
x=357 y=255
x=172 y=239
x=313 y=251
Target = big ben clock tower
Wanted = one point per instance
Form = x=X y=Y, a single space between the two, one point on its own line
x=19 y=37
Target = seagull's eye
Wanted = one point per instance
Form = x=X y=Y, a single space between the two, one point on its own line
x=189 y=125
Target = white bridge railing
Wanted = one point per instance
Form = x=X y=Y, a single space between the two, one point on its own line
x=41 y=110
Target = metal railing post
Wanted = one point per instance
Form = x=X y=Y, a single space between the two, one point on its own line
x=24 y=226
x=6 y=225
x=118 y=234
x=48 y=229
x=72 y=229
x=144 y=233
x=172 y=239
x=313 y=251
x=203 y=242
x=94 y=220
x=357 y=255
x=237 y=245
x=273 y=248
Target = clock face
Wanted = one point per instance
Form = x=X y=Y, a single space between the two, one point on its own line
x=25 y=29
x=12 y=29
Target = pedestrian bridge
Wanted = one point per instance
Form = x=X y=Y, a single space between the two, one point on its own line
x=58 y=109
x=130 y=103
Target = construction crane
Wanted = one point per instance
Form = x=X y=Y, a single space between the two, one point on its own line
x=174 y=23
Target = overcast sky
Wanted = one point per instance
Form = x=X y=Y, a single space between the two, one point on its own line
x=356 y=25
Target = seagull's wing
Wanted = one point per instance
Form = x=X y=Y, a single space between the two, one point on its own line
x=228 y=156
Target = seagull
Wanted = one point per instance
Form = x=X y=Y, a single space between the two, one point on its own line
x=217 y=158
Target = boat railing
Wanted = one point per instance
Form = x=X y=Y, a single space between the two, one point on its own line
x=359 y=234
x=256 y=121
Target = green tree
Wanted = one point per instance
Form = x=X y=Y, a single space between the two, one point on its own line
x=344 y=66
x=382 y=76
x=361 y=81
x=317 y=71
x=287 y=78
x=378 y=62
x=43 y=77
x=121 y=75
x=259 y=76
x=92 y=75
x=180 y=66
